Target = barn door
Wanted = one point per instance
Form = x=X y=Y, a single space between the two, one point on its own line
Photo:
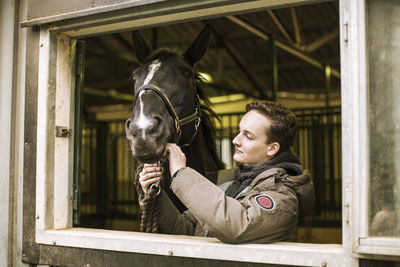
x=79 y=84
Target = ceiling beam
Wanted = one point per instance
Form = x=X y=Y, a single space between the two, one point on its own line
x=286 y=65
x=311 y=47
x=296 y=26
x=224 y=88
x=285 y=47
x=239 y=64
x=280 y=25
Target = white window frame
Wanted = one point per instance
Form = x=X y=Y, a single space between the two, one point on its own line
x=384 y=247
x=56 y=84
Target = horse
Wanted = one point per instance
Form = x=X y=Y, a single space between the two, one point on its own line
x=169 y=106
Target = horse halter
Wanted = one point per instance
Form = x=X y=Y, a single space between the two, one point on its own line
x=178 y=122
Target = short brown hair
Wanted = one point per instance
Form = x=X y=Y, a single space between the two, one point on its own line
x=283 y=122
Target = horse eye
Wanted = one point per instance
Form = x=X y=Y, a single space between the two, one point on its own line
x=132 y=78
x=188 y=74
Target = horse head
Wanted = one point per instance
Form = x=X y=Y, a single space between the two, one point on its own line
x=166 y=107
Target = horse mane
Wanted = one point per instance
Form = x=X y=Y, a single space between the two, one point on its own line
x=208 y=125
x=207 y=114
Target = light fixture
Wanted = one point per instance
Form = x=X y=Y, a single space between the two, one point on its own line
x=206 y=77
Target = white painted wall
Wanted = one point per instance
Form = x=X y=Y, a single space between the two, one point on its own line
x=12 y=84
x=19 y=139
x=6 y=89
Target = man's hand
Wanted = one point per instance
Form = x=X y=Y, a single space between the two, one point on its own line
x=150 y=174
x=176 y=157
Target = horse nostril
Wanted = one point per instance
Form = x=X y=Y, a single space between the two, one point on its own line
x=131 y=132
x=127 y=123
x=155 y=126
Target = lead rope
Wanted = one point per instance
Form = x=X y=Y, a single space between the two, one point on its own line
x=149 y=221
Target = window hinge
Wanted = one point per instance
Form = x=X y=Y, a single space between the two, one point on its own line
x=347 y=213
x=62 y=131
x=346 y=26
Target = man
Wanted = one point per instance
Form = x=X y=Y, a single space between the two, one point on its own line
x=265 y=196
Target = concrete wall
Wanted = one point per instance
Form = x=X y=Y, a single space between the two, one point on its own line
x=12 y=96
x=6 y=101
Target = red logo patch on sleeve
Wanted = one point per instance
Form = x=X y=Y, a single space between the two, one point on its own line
x=265 y=202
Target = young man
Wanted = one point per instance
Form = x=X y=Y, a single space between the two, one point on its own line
x=265 y=196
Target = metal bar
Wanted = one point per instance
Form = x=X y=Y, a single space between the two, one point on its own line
x=79 y=83
x=101 y=172
x=230 y=89
x=274 y=69
x=280 y=45
x=327 y=74
x=311 y=47
x=92 y=177
x=110 y=93
x=332 y=185
x=280 y=25
x=296 y=26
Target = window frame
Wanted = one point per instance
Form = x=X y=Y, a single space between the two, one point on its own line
x=365 y=245
x=54 y=184
x=54 y=172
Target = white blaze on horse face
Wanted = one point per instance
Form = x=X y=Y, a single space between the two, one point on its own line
x=152 y=69
x=145 y=122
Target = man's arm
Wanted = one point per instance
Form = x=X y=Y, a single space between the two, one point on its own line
x=231 y=220
x=173 y=222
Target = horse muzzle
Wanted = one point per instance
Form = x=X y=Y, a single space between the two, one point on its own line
x=147 y=145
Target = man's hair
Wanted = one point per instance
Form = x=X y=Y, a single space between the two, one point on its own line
x=283 y=127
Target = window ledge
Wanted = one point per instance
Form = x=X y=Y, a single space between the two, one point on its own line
x=379 y=245
x=195 y=247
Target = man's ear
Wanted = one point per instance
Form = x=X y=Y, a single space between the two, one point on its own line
x=273 y=149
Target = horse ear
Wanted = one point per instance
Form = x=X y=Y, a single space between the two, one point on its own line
x=141 y=48
x=199 y=46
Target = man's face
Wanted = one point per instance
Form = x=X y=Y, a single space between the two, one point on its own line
x=251 y=141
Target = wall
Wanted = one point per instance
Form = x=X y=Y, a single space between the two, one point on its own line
x=12 y=66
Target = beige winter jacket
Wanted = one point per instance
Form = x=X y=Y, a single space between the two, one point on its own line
x=266 y=211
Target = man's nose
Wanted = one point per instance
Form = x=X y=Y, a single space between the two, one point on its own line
x=235 y=140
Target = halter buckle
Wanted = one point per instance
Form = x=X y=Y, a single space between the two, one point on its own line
x=156 y=185
x=178 y=126
x=197 y=122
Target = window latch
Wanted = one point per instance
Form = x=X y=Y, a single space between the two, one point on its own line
x=62 y=131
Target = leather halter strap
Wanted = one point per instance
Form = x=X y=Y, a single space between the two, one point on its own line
x=178 y=122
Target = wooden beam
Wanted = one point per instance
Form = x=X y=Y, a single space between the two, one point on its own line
x=280 y=25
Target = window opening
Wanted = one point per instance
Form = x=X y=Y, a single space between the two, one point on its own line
x=239 y=63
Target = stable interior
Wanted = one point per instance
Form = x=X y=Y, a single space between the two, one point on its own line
x=291 y=55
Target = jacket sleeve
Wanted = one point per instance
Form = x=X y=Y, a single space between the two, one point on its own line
x=171 y=221
x=236 y=221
